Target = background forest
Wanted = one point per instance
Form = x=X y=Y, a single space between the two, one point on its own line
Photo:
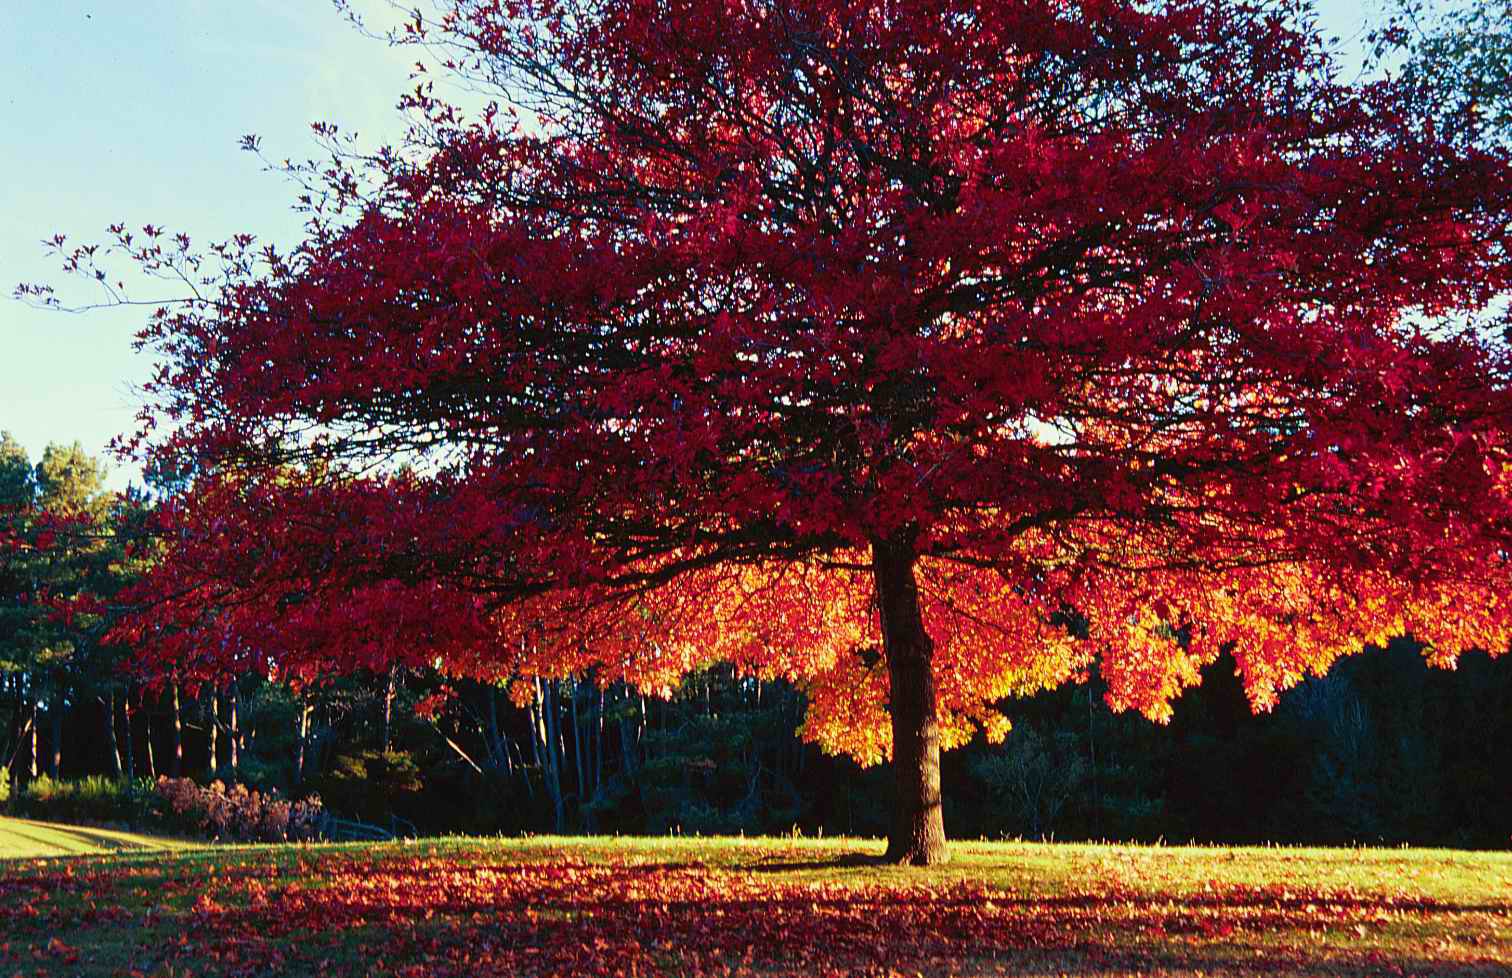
x=1381 y=750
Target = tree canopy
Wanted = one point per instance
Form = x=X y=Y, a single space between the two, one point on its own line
x=1458 y=58
x=922 y=351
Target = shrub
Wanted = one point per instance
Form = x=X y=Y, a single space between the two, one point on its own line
x=4 y=789
x=372 y=784
x=96 y=798
x=237 y=813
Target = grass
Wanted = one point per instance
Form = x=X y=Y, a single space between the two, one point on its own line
x=26 y=839
x=687 y=907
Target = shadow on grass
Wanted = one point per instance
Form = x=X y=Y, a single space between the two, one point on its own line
x=849 y=860
x=421 y=914
x=50 y=839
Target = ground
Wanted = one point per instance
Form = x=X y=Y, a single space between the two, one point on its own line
x=25 y=839
x=690 y=907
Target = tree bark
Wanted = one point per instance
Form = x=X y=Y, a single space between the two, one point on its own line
x=389 y=689
x=147 y=737
x=304 y=739
x=13 y=729
x=55 y=730
x=110 y=735
x=547 y=747
x=12 y=763
x=35 y=750
x=918 y=833
x=126 y=712
x=178 y=734
x=498 y=746
x=578 y=761
x=598 y=742
x=212 y=711
x=233 y=735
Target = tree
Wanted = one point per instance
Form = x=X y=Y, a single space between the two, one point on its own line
x=17 y=501
x=1458 y=59
x=922 y=351
x=63 y=559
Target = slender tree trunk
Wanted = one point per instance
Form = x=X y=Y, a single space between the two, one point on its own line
x=212 y=709
x=146 y=714
x=130 y=736
x=178 y=734
x=35 y=752
x=15 y=755
x=582 y=737
x=558 y=750
x=498 y=747
x=55 y=734
x=234 y=733
x=13 y=729
x=579 y=762
x=147 y=736
x=389 y=688
x=320 y=739
x=918 y=833
x=519 y=754
x=304 y=737
x=547 y=747
x=598 y=742
x=110 y=734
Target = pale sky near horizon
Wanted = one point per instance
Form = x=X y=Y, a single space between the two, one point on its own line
x=113 y=111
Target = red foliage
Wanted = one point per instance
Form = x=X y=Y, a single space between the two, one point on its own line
x=237 y=813
x=396 y=913
x=1126 y=331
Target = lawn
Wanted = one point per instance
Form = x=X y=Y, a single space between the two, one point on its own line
x=686 y=907
x=25 y=839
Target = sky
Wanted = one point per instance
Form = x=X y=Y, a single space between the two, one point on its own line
x=133 y=112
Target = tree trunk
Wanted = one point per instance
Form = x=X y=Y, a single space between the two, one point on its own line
x=110 y=735
x=13 y=729
x=579 y=762
x=918 y=833
x=598 y=742
x=519 y=762
x=304 y=739
x=557 y=748
x=55 y=725
x=126 y=711
x=14 y=760
x=147 y=736
x=547 y=747
x=233 y=735
x=178 y=734
x=498 y=748
x=35 y=751
x=145 y=711
x=390 y=687
x=212 y=710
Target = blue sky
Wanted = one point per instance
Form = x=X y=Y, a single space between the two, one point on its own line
x=114 y=111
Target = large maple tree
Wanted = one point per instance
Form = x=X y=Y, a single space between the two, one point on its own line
x=921 y=351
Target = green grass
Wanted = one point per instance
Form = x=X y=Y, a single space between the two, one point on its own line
x=1050 y=869
x=688 y=907
x=26 y=839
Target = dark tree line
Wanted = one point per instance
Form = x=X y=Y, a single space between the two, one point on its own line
x=1383 y=749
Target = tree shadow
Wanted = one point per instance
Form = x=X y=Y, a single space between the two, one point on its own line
x=848 y=860
x=49 y=837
